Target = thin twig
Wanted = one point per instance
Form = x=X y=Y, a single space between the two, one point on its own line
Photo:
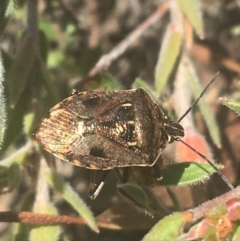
x=116 y=52
x=200 y=211
x=19 y=155
x=38 y=218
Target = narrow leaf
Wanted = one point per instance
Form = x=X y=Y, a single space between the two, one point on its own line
x=205 y=110
x=166 y=229
x=46 y=233
x=231 y=104
x=20 y=231
x=193 y=12
x=139 y=83
x=174 y=199
x=236 y=234
x=108 y=82
x=168 y=56
x=135 y=195
x=72 y=198
x=28 y=123
x=186 y=173
x=18 y=156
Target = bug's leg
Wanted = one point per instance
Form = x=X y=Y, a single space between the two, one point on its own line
x=159 y=169
x=125 y=175
x=92 y=183
x=74 y=92
x=95 y=186
x=122 y=176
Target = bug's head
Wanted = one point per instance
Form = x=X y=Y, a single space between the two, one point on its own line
x=173 y=130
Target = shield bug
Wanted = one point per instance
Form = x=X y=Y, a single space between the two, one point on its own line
x=103 y=130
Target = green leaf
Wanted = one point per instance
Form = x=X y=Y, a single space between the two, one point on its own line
x=175 y=201
x=108 y=82
x=231 y=104
x=20 y=231
x=6 y=10
x=47 y=27
x=186 y=173
x=64 y=238
x=72 y=198
x=28 y=123
x=193 y=12
x=18 y=156
x=3 y=113
x=168 y=55
x=166 y=229
x=139 y=83
x=55 y=58
x=46 y=233
x=136 y=195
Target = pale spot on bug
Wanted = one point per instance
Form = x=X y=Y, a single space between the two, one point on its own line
x=127 y=104
x=81 y=128
x=131 y=122
x=169 y=138
x=120 y=128
x=134 y=143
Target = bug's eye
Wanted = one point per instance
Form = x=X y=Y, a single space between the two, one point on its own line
x=173 y=131
x=170 y=138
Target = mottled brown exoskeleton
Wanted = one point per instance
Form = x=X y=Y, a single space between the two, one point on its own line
x=102 y=130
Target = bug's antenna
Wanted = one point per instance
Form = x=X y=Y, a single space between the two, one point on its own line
x=210 y=163
x=201 y=155
x=196 y=101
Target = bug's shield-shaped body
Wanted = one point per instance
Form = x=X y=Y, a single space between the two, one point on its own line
x=105 y=130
